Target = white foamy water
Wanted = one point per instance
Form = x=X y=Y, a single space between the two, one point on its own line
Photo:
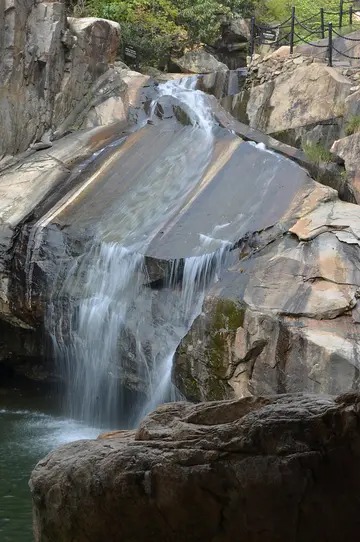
x=103 y=284
x=27 y=435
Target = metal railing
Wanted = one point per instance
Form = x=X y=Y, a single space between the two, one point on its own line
x=312 y=31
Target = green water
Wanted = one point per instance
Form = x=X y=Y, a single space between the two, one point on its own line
x=30 y=427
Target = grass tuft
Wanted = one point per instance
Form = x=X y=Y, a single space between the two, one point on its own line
x=317 y=153
x=353 y=125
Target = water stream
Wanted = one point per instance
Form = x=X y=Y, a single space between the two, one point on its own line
x=114 y=338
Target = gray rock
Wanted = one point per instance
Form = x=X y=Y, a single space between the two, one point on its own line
x=42 y=173
x=236 y=30
x=274 y=469
x=54 y=80
x=284 y=317
x=199 y=61
x=348 y=149
x=56 y=76
x=310 y=95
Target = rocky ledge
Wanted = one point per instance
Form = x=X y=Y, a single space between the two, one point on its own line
x=267 y=469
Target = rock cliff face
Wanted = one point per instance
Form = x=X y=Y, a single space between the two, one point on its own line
x=348 y=149
x=274 y=469
x=301 y=101
x=308 y=94
x=57 y=75
x=52 y=71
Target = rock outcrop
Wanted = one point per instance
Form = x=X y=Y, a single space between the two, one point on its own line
x=199 y=61
x=232 y=47
x=274 y=469
x=53 y=72
x=284 y=317
x=348 y=148
x=298 y=99
x=224 y=85
x=301 y=101
x=57 y=75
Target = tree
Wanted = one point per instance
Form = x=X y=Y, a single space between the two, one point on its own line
x=160 y=27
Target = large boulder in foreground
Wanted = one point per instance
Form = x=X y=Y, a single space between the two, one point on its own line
x=270 y=469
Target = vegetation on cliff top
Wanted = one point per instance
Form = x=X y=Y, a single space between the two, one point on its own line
x=163 y=27
x=160 y=28
x=281 y=9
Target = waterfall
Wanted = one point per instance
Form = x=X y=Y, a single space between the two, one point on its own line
x=93 y=303
x=110 y=331
x=184 y=305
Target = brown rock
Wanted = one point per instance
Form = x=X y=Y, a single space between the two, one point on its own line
x=270 y=469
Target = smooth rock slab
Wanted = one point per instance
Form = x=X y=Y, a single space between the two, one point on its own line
x=270 y=469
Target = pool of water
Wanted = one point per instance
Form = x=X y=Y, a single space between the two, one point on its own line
x=30 y=426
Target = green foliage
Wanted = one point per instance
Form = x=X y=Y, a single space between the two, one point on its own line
x=317 y=153
x=202 y=18
x=353 y=125
x=150 y=26
x=161 y=27
x=280 y=10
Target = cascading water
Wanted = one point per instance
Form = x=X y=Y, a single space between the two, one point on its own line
x=112 y=332
x=85 y=338
x=180 y=305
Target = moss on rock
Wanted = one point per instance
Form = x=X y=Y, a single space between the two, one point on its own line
x=205 y=355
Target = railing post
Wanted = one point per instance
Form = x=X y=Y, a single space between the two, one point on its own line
x=330 y=46
x=292 y=30
x=322 y=23
x=341 y=13
x=350 y=15
x=252 y=37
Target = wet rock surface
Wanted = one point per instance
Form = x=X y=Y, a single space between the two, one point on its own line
x=48 y=213
x=300 y=101
x=58 y=76
x=258 y=229
x=270 y=468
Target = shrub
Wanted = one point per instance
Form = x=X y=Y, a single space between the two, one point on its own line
x=160 y=27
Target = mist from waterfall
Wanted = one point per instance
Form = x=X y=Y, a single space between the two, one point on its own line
x=110 y=331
